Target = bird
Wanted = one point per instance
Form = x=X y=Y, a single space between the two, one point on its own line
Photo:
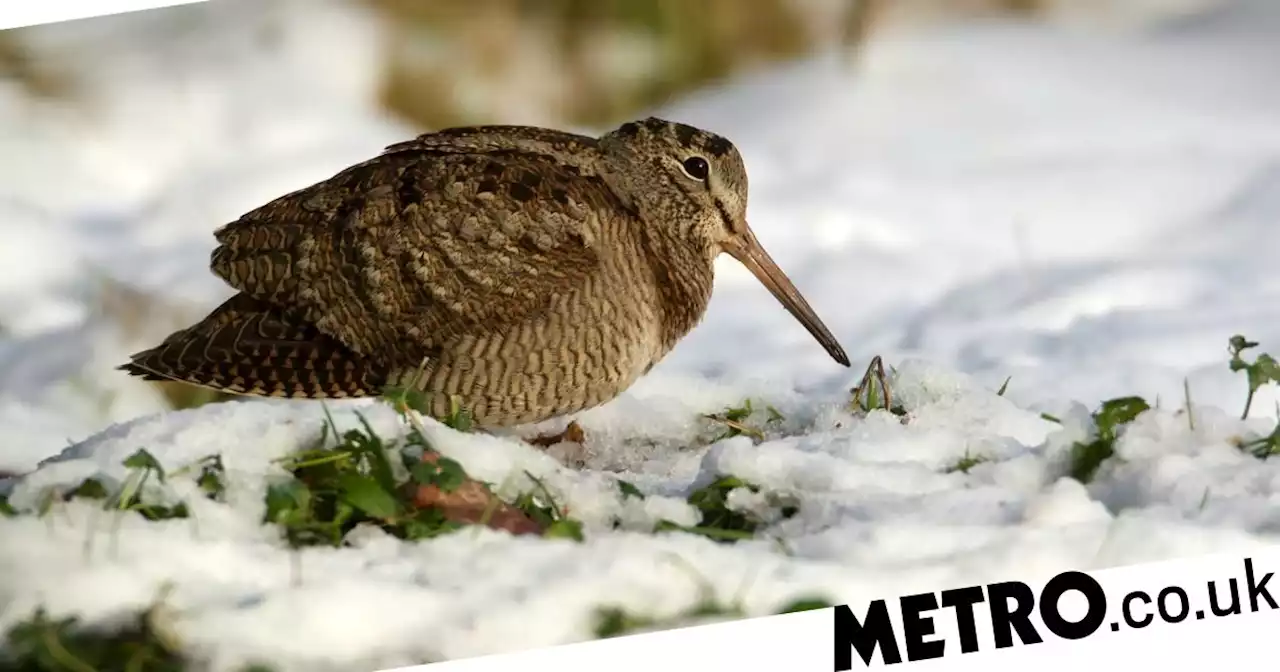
x=518 y=273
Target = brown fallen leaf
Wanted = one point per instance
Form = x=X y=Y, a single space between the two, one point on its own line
x=470 y=502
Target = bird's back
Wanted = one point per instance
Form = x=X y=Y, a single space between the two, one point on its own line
x=428 y=240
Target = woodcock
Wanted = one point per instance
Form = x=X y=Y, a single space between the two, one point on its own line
x=527 y=273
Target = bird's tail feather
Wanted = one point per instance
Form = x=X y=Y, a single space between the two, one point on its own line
x=250 y=347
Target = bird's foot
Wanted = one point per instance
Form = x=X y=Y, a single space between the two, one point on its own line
x=571 y=434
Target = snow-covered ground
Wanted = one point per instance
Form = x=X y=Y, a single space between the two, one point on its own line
x=1091 y=215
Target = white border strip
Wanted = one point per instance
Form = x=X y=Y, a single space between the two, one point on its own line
x=19 y=13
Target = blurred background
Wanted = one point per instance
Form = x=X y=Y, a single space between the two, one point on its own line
x=446 y=62
x=1073 y=192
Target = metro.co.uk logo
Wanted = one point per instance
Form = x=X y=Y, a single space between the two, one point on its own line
x=1009 y=607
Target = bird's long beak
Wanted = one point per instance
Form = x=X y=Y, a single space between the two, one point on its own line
x=746 y=249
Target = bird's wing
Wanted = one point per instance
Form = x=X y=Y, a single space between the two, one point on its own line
x=398 y=254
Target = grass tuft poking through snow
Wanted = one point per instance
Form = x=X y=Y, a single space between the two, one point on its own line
x=615 y=622
x=47 y=644
x=1107 y=422
x=141 y=644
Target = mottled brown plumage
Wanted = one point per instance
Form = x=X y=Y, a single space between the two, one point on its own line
x=531 y=273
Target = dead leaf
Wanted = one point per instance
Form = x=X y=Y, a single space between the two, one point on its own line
x=471 y=502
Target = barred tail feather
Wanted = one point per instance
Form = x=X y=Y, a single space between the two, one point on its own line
x=247 y=346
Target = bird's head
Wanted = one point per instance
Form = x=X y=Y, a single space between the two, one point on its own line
x=695 y=182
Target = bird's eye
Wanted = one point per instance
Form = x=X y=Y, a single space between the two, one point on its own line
x=696 y=167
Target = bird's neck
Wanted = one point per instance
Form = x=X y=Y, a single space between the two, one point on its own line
x=685 y=277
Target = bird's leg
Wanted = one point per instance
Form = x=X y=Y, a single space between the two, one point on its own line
x=571 y=434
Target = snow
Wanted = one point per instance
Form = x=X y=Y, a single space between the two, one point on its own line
x=1089 y=214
